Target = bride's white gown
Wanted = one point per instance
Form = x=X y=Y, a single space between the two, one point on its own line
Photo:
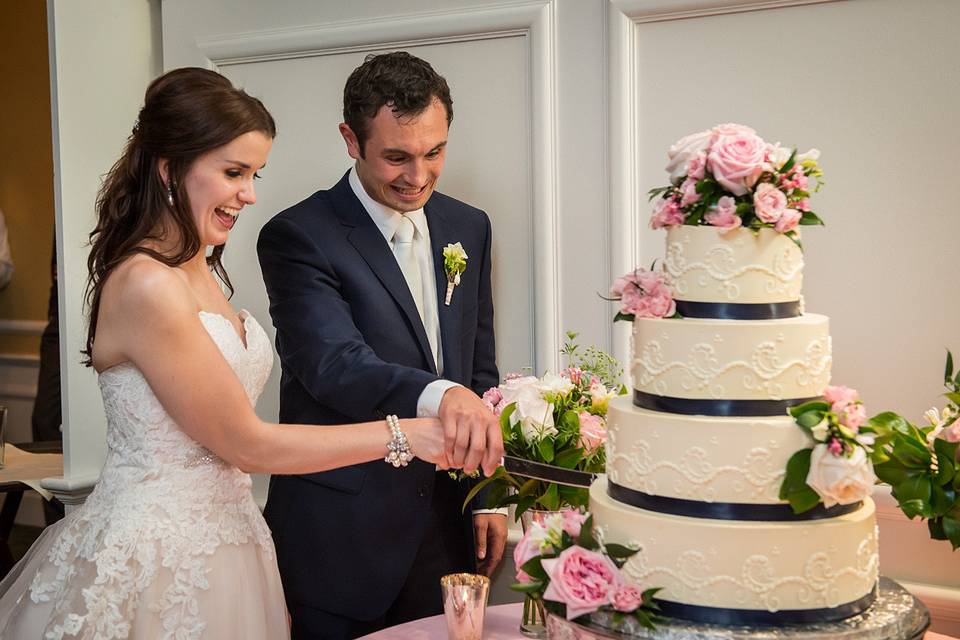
x=170 y=544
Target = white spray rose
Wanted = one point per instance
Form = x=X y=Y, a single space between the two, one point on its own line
x=684 y=149
x=532 y=411
x=840 y=479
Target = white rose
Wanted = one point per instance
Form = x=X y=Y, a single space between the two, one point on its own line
x=684 y=149
x=839 y=479
x=510 y=389
x=534 y=414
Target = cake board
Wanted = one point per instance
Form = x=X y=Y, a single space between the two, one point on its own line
x=894 y=615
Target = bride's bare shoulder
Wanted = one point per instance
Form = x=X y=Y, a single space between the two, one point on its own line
x=141 y=284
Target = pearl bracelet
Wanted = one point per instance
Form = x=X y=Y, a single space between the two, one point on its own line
x=398 y=449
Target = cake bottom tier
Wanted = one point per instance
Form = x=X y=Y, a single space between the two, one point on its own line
x=735 y=572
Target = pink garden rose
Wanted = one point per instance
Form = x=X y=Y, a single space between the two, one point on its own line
x=788 y=221
x=853 y=416
x=839 y=397
x=573 y=521
x=666 y=213
x=627 y=599
x=493 y=399
x=683 y=150
x=581 y=579
x=736 y=157
x=697 y=166
x=769 y=202
x=526 y=549
x=724 y=214
x=593 y=432
x=647 y=296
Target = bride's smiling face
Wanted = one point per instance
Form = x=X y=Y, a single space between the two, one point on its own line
x=219 y=184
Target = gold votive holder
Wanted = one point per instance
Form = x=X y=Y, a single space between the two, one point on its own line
x=464 y=603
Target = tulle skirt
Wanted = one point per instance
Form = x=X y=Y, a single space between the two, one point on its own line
x=241 y=597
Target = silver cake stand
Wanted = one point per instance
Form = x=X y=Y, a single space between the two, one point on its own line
x=894 y=615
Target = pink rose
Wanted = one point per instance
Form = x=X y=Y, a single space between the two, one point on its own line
x=839 y=397
x=524 y=551
x=736 y=158
x=788 y=221
x=804 y=204
x=683 y=150
x=951 y=433
x=853 y=416
x=697 y=166
x=724 y=214
x=769 y=202
x=689 y=191
x=666 y=213
x=573 y=521
x=593 y=432
x=627 y=599
x=581 y=579
x=492 y=397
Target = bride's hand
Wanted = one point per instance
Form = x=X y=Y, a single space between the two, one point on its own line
x=425 y=436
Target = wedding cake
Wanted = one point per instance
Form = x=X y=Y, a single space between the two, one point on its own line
x=697 y=454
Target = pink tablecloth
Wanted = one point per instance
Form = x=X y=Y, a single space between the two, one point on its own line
x=501 y=622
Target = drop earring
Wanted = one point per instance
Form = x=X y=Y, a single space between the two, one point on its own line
x=170 y=195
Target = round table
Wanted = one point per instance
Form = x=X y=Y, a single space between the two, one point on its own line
x=501 y=622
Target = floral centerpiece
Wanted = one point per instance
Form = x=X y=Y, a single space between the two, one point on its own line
x=562 y=566
x=837 y=469
x=558 y=419
x=920 y=462
x=729 y=177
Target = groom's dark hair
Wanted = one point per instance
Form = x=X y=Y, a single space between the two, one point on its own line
x=407 y=84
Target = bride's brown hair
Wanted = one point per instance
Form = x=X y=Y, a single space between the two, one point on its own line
x=186 y=113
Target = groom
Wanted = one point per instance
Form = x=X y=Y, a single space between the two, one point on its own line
x=366 y=327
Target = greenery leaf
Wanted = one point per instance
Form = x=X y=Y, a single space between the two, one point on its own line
x=813 y=405
x=792 y=160
x=527 y=587
x=550 y=500
x=625 y=317
x=569 y=458
x=912 y=508
x=810 y=218
x=619 y=551
x=545 y=447
x=951 y=529
x=794 y=488
x=810 y=419
x=948 y=369
x=888 y=422
x=534 y=568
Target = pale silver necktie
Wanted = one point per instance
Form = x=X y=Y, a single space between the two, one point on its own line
x=407 y=259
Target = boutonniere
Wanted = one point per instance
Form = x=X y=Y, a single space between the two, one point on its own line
x=454 y=263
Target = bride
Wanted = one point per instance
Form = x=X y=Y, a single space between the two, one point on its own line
x=170 y=543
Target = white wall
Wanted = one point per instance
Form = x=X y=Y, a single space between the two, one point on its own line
x=102 y=56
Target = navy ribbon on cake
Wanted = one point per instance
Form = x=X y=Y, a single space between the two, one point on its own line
x=760 y=617
x=738 y=310
x=723 y=510
x=711 y=407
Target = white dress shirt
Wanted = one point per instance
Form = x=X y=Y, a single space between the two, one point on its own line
x=387 y=220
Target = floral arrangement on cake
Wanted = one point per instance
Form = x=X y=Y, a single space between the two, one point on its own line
x=920 y=463
x=557 y=420
x=561 y=565
x=644 y=293
x=729 y=177
x=837 y=469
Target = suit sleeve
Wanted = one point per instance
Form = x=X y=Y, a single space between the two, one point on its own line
x=485 y=374
x=317 y=339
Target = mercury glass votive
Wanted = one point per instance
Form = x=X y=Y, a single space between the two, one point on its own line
x=464 y=603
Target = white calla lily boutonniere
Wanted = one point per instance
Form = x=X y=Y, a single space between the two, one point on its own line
x=454 y=263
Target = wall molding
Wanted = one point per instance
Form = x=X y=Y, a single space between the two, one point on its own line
x=532 y=19
x=22 y=327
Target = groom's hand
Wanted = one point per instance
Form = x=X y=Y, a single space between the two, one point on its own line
x=490 y=530
x=471 y=432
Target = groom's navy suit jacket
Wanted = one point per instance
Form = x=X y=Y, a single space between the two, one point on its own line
x=353 y=348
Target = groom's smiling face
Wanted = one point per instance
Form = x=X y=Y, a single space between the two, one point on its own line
x=402 y=157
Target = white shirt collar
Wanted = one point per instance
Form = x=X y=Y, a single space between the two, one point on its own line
x=386 y=219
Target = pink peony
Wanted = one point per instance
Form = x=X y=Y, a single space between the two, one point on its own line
x=666 y=213
x=573 y=521
x=581 y=579
x=689 y=191
x=853 y=416
x=593 y=432
x=697 y=166
x=736 y=157
x=524 y=551
x=839 y=397
x=769 y=202
x=724 y=214
x=683 y=150
x=788 y=221
x=627 y=599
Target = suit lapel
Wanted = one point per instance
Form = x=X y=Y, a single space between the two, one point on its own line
x=442 y=233
x=365 y=236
